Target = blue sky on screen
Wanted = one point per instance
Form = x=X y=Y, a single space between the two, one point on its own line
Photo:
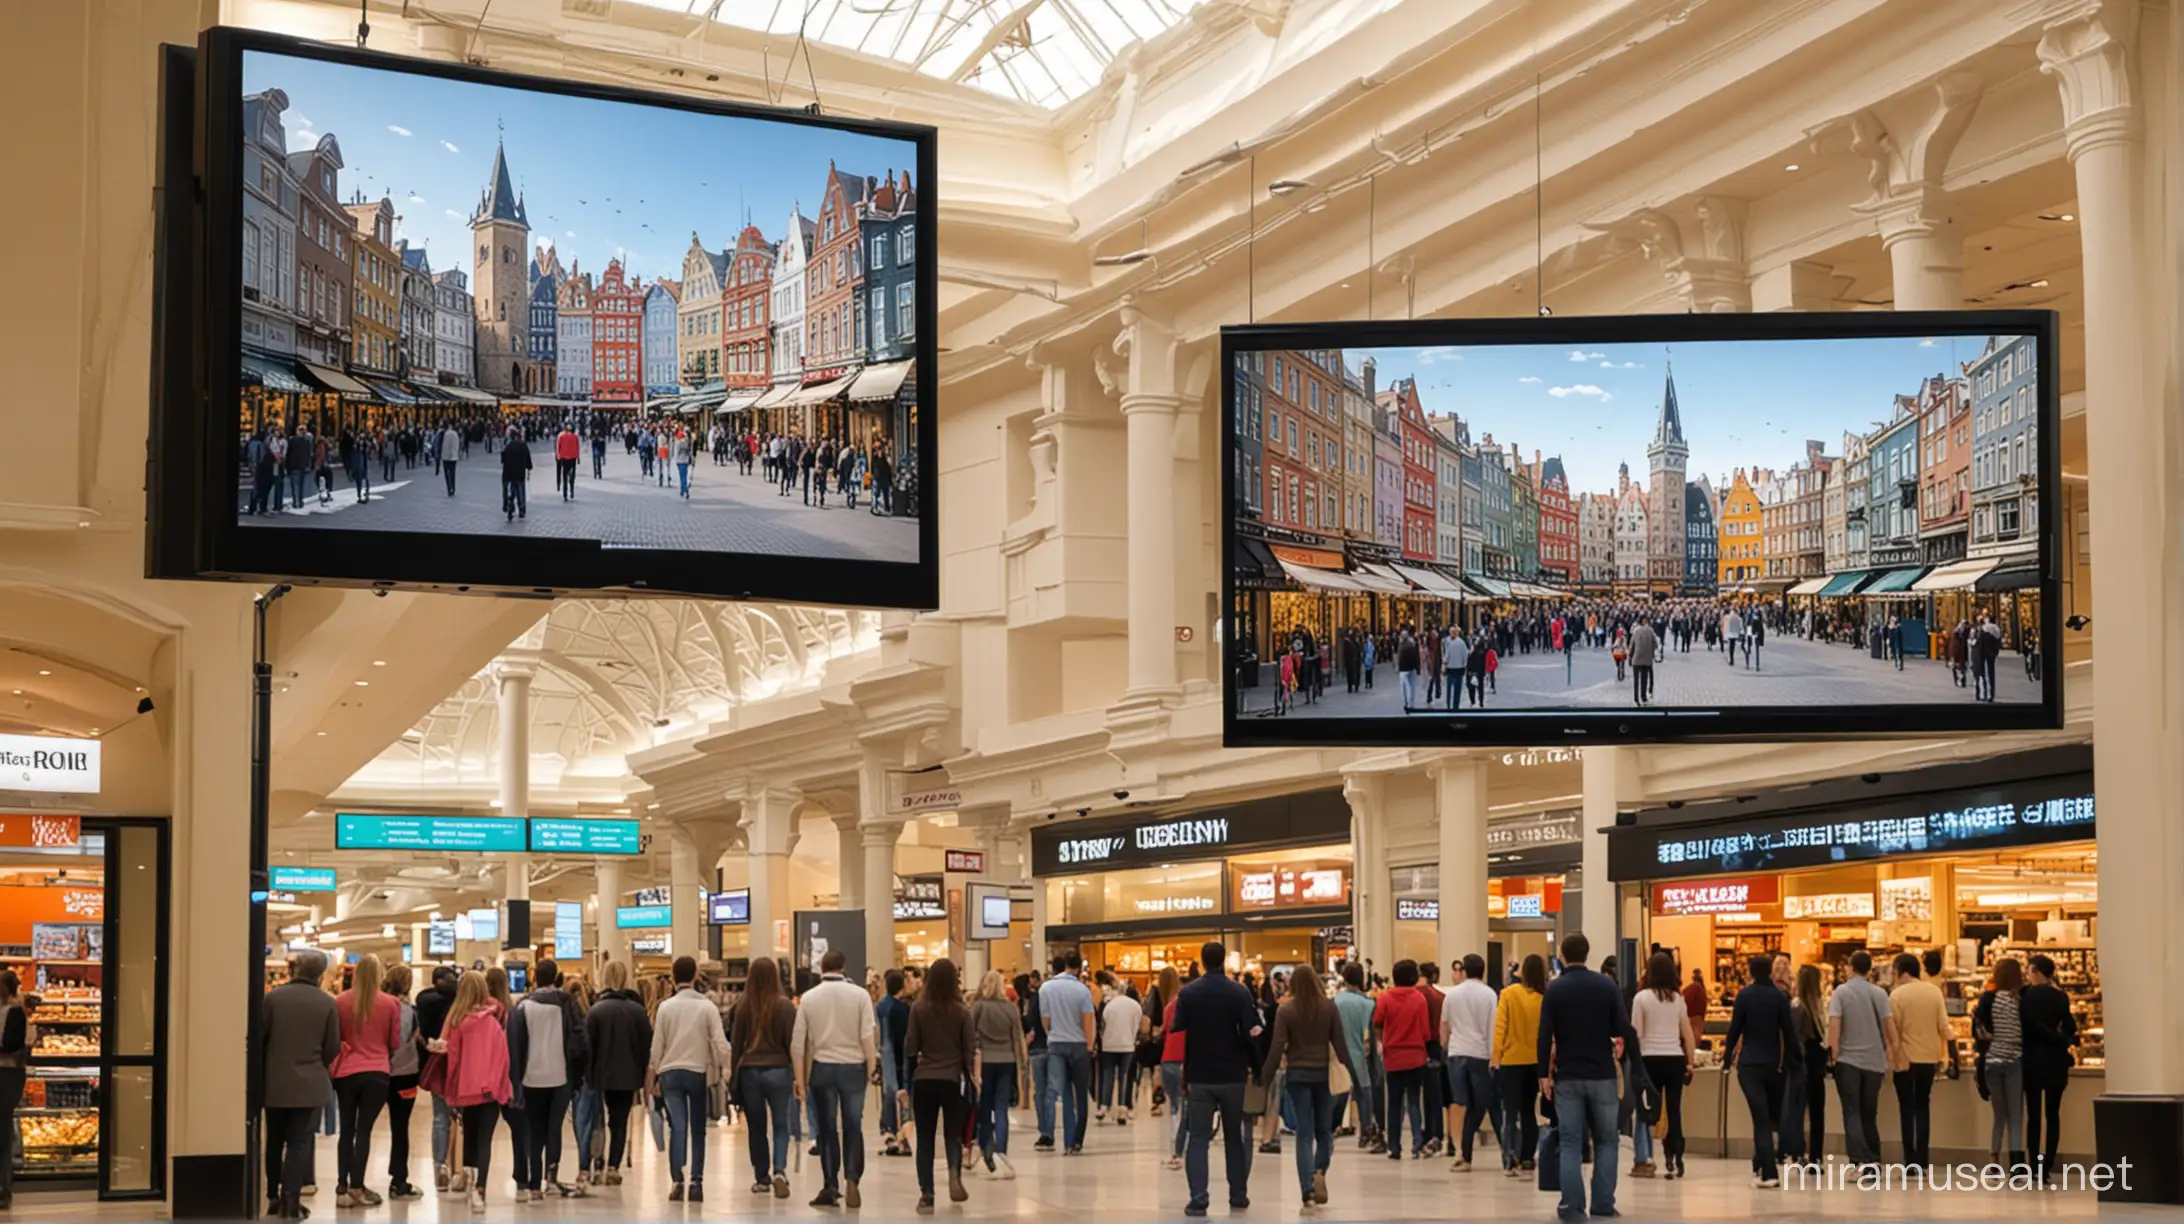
x=599 y=178
x=1748 y=404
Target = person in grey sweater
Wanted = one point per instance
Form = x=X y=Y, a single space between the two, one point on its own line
x=300 y=1036
x=1645 y=651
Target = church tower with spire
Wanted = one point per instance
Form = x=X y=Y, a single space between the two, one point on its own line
x=1666 y=457
x=500 y=282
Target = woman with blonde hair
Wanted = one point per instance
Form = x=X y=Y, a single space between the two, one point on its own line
x=475 y=1044
x=1003 y=1057
x=371 y=1027
x=620 y=1035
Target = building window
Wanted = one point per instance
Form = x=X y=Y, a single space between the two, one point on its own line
x=879 y=251
x=906 y=310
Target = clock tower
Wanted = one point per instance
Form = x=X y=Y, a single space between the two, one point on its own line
x=500 y=275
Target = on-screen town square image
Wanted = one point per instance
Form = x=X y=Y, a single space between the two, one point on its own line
x=480 y=310
x=1782 y=523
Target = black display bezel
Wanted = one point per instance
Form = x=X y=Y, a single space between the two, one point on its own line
x=1707 y=724
x=193 y=531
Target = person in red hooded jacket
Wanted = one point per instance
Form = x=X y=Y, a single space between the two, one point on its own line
x=475 y=1043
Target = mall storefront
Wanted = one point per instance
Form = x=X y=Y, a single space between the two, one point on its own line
x=1531 y=866
x=1271 y=879
x=1975 y=862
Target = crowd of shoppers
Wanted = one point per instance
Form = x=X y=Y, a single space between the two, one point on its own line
x=1593 y=1058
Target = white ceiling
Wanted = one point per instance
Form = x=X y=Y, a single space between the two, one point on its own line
x=1045 y=52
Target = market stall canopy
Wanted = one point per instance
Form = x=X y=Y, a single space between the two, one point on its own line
x=1431 y=582
x=819 y=393
x=1379 y=579
x=1955 y=576
x=879 y=382
x=1494 y=588
x=1810 y=586
x=466 y=395
x=331 y=379
x=1255 y=565
x=390 y=393
x=739 y=401
x=778 y=397
x=273 y=374
x=2015 y=576
x=1896 y=583
x=1844 y=583
x=1319 y=579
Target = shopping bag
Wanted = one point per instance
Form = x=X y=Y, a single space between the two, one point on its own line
x=1255 y=1098
x=1549 y=1163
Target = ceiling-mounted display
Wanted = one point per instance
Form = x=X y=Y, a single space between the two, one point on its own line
x=559 y=835
x=1552 y=530
x=354 y=831
x=550 y=325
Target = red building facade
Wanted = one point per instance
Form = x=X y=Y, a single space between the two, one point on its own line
x=618 y=323
x=746 y=320
x=834 y=281
x=1420 y=538
x=1558 y=539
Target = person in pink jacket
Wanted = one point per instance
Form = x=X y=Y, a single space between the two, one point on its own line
x=371 y=1026
x=475 y=1043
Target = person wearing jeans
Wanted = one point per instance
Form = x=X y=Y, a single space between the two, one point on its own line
x=1405 y=1022
x=1356 y=1009
x=687 y=1043
x=1220 y=1024
x=1467 y=1032
x=302 y=1039
x=1922 y=1026
x=1065 y=1008
x=999 y=1029
x=1862 y=1033
x=1761 y=1044
x=1308 y=1036
x=892 y=1016
x=833 y=1052
x=371 y=1027
x=1582 y=1027
x=765 y=1024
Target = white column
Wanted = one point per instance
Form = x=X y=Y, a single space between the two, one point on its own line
x=1459 y=787
x=1800 y=285
x=685 y=876
x=769 y=826
x=514 y=680
x=849 y=858
x=879 y=837
x=1372 y=910
x=207 y=1067
x=606 y=898
x=1149 y=404
x=1610 y=781
x=1926 y=254
x=2137 y=509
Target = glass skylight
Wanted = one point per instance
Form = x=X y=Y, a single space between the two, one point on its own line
x=1044 y=52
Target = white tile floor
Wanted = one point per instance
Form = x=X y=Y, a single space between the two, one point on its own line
x=1122 y=1180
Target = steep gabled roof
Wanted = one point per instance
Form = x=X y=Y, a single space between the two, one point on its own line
x=499 y=201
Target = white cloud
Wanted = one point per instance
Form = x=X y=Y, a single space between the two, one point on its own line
x=398 y=129
x=1440 y=352
x=452 y=213
x=572 y=233
x=1927 y=343
x=1628 y=365
x=302 y=121
x=449 y=147
x=300 y=139
x=1582 y=355
x=415 y=198
x=1586 y=390
x=1527 y=379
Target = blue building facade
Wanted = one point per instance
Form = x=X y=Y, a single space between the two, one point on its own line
x=1701 y=565
x=661 y=377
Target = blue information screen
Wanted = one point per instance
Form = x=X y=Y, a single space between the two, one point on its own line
x=568 y=930
x=562 y=836
x=354 y=832
x=641 y=916
x=731 y=908
x=303 y=879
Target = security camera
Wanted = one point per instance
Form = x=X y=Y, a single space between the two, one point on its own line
x=381 y=592
x=2078 y=624
x=144 y=705
x=1121 y=795
x=1871 y=779
x=1674 y=804
x=1084 y=811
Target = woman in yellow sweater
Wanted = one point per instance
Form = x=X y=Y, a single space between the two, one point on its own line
x=1516 y=1064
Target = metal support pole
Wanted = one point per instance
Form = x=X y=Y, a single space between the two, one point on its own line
x=261 y=833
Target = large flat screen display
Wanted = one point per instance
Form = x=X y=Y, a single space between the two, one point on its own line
x=1646 y=528
x=473 y=330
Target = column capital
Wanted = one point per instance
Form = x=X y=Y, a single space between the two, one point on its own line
x=879 y=834
x=514 y=667
x=1147 y=403
x=1907 y=142
x=2087 y=50
x=1149 y=344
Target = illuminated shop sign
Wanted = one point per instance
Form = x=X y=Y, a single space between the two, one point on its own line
x=1417 y=911
x=1716 y=896
x=1181 y=904
x=1545 y=829
x=921 y=898
x=641 y=917
x=1828 y=905
x=303 y=879
x=1318 y=818
x=1284 y=886
x=2026 y=813
x=969 y=862
x=1527 y=905
x=49 y=764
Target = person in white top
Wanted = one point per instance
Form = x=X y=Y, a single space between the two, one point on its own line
x=832 y=1053
x=688 y=1044
x=1668 y=1047
x=1467 y=1031
x=1119 y=1017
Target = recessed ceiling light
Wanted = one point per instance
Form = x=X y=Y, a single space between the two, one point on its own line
x=2038 y=284
x=1793 y=167
x=363 y=684
x=94 y=730
x=322 y=735
x=379 y=662
x=2070 y=216
x=43 y=672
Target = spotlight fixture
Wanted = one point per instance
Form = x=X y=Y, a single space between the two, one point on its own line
x=1123 y=260
x=1792 y=168
x=1284 y=187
